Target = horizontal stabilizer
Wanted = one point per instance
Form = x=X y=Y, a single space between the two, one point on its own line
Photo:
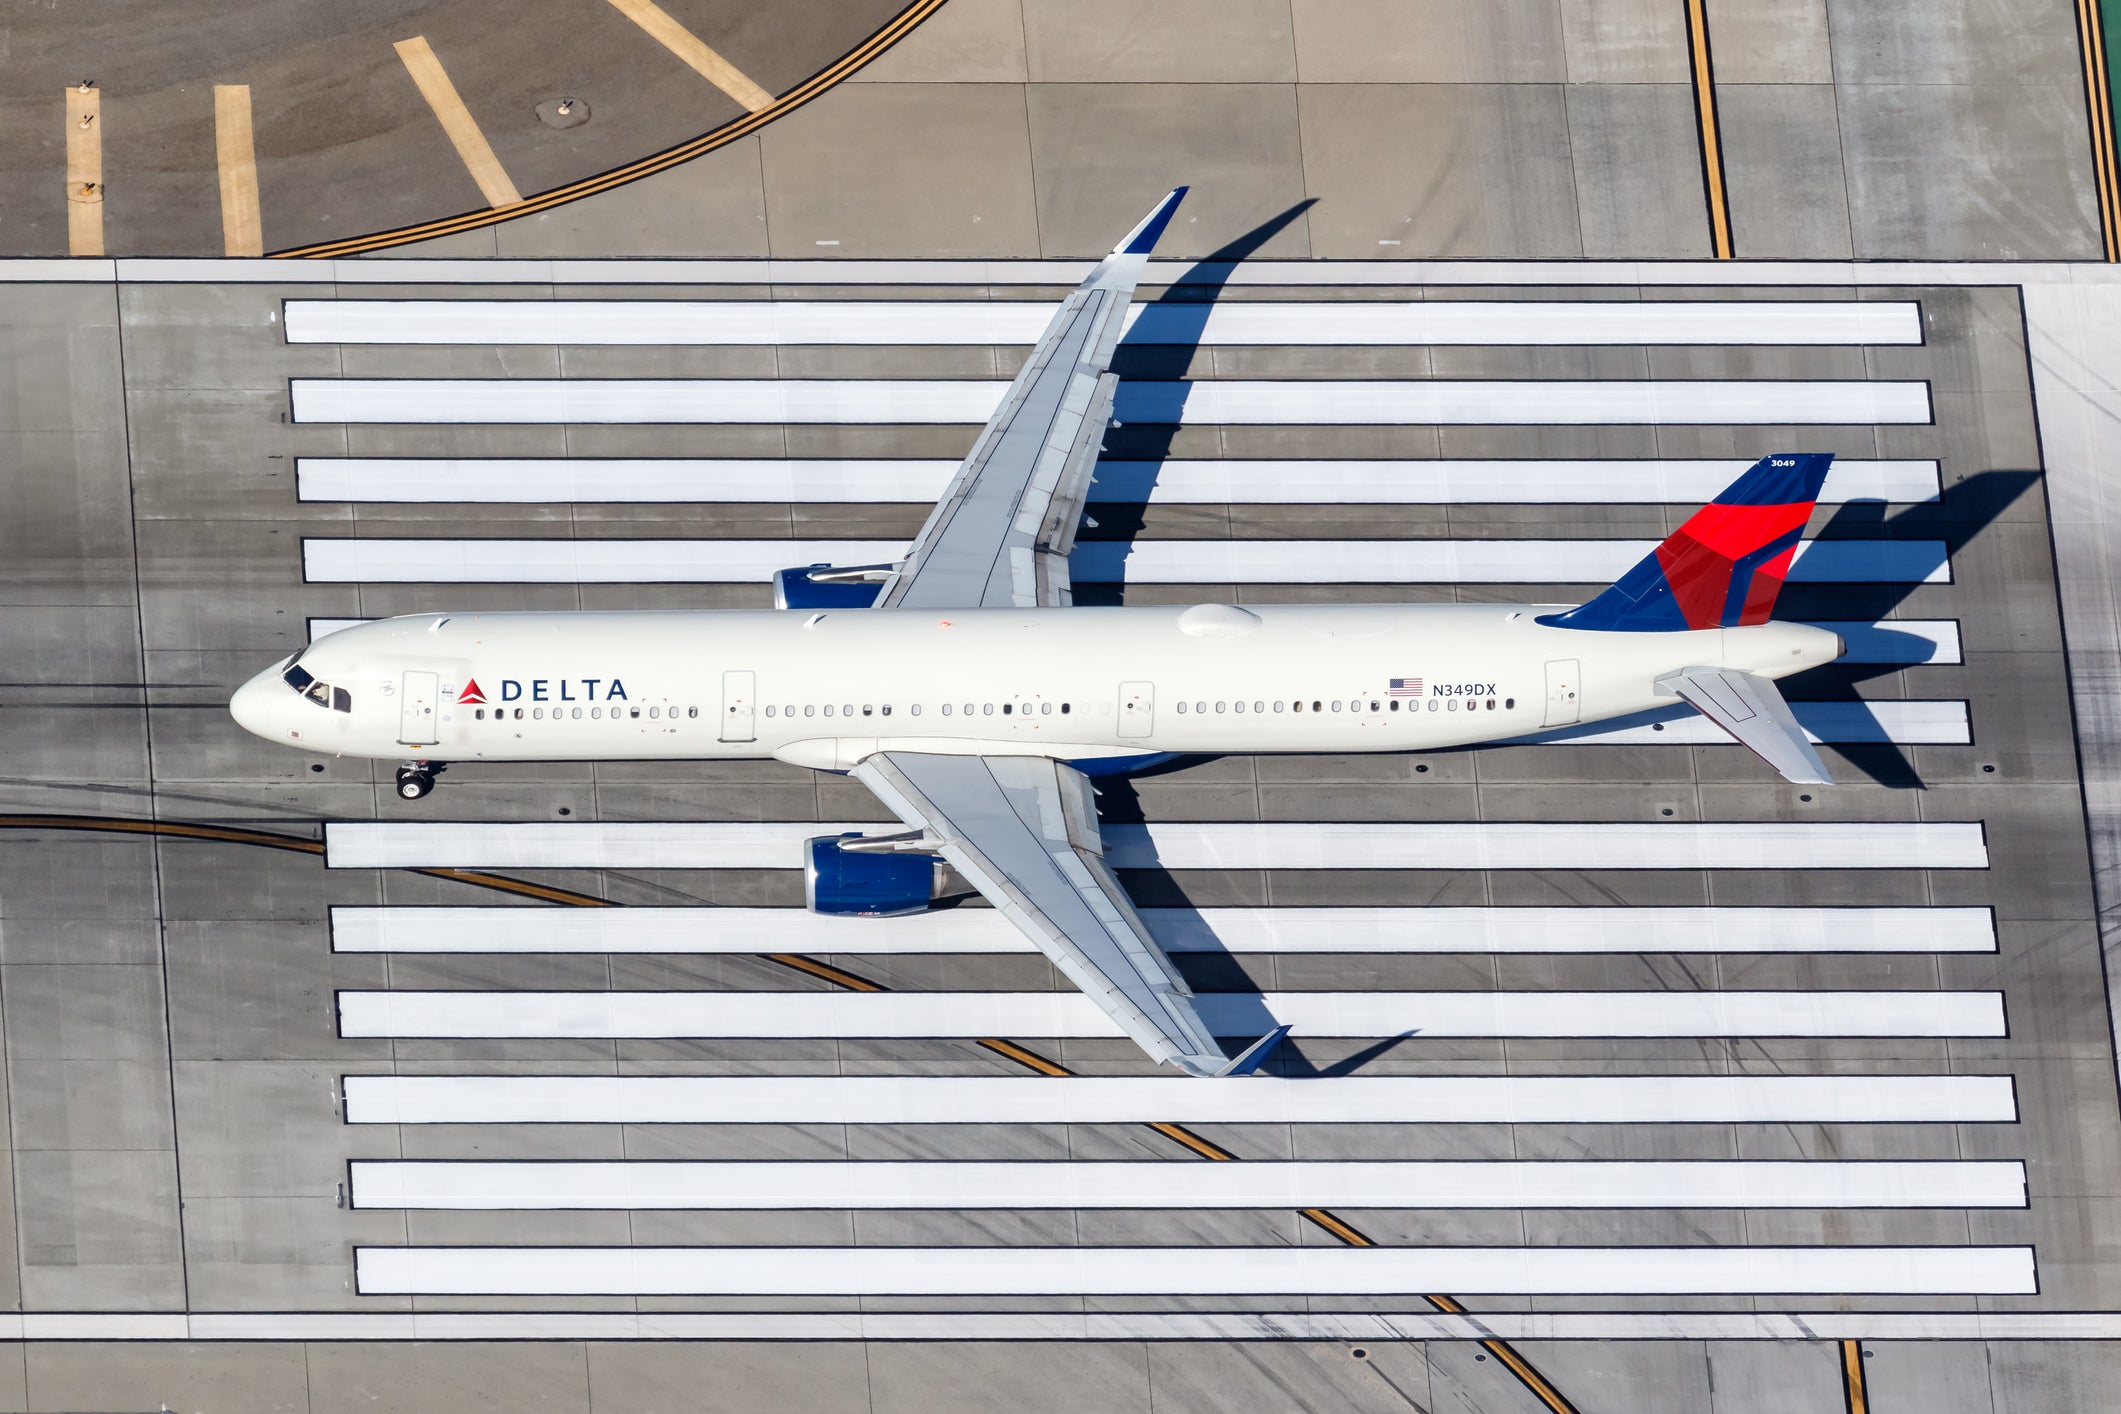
x=1751 y=709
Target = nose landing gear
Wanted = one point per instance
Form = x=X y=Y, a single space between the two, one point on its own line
x=416 y=779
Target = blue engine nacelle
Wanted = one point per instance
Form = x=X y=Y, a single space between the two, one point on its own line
x=859 y=884
x=795 y=589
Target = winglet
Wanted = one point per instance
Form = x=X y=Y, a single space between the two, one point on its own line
x=1249 y=1059
x=1142 y=239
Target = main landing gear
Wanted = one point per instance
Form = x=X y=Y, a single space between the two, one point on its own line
x=416 y=779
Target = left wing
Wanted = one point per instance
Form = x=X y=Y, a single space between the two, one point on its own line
x=1000 y=537
x=1023 y=831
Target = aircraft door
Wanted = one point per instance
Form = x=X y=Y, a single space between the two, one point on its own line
x=1137 y=708
x=740 y=707
x=1563 y=683
x=416 y=708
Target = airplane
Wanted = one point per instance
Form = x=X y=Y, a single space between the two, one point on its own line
x=963 y=687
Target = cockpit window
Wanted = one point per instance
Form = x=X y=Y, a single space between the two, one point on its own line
x=338 y=699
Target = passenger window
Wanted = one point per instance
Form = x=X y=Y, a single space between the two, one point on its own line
x=1200 y=706
x=769 y=711
x=1006 y=709
x=1238 y=706
x=1064 y=709
x=578 y=714
x=1451 y=706
x=1045 y=709
x=1298 y=706
x=1277 y=706
x=519 y=714
x=1219 y=707
x=846 y=709
x=596 y=714
x=868 y=710
x=987 y=709
x=828 y=709
x=1491 y=704
x=969 y=708
x=1318 y=707
x=1259 y=706
x=915 y=709
x=479 y=715
x=1395 y=704
x=1373 y=706
x=946 y=709
x=1336 y=704
x=1181 y=709
x=1432 y=705
x=809 y=710
x=655 y=711
x=537 y=714
x=633 y=712
x=887 y=709
x=1509 y=704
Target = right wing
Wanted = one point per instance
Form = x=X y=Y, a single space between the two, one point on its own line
x=1000 y=536
x=1023 y=831
x=1751 y=709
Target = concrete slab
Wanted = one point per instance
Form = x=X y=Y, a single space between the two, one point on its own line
x=417 y=1379
x=840 y=182
x=1104 y=154
x=1132 y=41
x=1492 y=172
x=1774 y=42
x=830 y=1377
x=1783 y=165
x=1638 y=170
x=967 y=41
x=1381 y=41
x=241 y=1377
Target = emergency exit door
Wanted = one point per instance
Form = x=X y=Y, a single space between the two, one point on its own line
x=740 y=707
x=1563 y=681
x=416 y=709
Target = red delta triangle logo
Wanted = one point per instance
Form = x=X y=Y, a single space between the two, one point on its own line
x=472 y=695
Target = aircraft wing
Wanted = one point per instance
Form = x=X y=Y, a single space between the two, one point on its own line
x=1751 y=709
x=1000 y=536
x=1023 y=831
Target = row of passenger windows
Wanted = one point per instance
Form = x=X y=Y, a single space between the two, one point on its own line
x=948 y=709
x=1355 y=704
x=985 y=709
x=537 y=714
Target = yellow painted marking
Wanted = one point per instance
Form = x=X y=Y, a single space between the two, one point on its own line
x=84 y=171
x=455 y=118
x=1853 y=1387
x=900 y=26
x=1697 y=39
x=2091 y=37
x=1506 y=1354
x=689 y=47
x=242 y=231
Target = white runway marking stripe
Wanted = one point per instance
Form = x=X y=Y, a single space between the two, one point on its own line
x=1903 y=641
x=1888 y=719
x=588 y=480
x=1256 y=1099
x=1456 y=844
x=1220 y=1271
x=474 y=929
x=1319 y=402
x=569 y=561
x=1191 y=1184
x=855 y=1015
x=920 y=322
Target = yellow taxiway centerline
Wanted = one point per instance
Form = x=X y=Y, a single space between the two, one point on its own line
x=242 y=229
x=84 y=170
x=689 y=47
x=456 y=121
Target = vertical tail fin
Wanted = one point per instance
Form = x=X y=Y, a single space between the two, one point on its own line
x=1725 y=566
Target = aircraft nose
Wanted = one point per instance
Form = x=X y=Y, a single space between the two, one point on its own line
x=253 y=704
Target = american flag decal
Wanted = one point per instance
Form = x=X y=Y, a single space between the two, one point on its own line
x=1405 y=687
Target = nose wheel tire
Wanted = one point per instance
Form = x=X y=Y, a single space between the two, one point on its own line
x=412 y=785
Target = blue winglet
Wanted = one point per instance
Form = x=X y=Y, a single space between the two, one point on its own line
x=1249 y=1059
x=1144 y=237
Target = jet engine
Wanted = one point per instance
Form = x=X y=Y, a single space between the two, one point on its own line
x=829 y=586
x=879 y=877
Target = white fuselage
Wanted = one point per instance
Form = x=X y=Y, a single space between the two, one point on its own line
x=828 y=689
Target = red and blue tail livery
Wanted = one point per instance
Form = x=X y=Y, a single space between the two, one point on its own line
x=1725 y=566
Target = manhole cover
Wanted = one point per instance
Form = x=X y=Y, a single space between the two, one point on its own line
x=563 y=112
